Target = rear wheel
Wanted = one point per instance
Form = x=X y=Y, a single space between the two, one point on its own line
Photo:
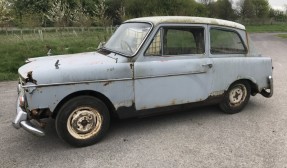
x=83 y=121
x=236 y=97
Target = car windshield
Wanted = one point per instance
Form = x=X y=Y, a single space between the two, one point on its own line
x=128 y=38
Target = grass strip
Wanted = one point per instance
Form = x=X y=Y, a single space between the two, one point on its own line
x=16 y=48
x=266 y=28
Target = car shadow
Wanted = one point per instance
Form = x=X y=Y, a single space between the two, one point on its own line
x=122 y=129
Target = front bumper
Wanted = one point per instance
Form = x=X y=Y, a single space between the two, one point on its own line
x=21 y=120
x=270 y=93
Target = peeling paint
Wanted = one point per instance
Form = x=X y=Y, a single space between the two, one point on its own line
x=107 y=83
x=217 y=93
x=30 y=78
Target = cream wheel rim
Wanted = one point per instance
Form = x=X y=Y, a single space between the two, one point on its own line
x=84 y=122
x=237 y=95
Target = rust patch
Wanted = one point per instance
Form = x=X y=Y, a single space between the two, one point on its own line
x=129 y=112
x=30 y=78
x=42 y=124
x=107 y=83
x=34 y=112
x=217 y=93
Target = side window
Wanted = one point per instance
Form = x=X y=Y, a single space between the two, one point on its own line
x=155 y=48
x=225 y=42
x=177 y=41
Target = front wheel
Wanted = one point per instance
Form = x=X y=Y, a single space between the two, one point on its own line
x=236 y=97
x=82 y=121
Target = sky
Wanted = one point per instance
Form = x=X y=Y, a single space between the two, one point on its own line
x=275 y=4
x=278 y=4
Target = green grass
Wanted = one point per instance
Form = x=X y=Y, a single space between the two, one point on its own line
x=16 y=48
x=282 y=35
x=266 y=28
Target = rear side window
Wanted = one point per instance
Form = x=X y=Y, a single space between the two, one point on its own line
x=177 y=41
x=226 y=42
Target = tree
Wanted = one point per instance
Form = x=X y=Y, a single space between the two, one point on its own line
x=33 y=10
x=135 y=8
x=66 y=13
x=81 y=16
x=225 y=10
x=116 y=11
x=261 y=8
x=221 y=9
x=58 y=13
x=100 y=13
x=5 y=15
x=206 y=2
x=201 y=10
x=277 y=15
x=247 y=9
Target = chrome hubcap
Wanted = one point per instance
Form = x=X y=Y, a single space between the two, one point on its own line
x=84 y=122
x=237 y=95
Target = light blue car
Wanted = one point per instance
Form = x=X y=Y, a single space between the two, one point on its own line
x=149 y=66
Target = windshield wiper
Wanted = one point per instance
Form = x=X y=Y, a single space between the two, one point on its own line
x=106 y=52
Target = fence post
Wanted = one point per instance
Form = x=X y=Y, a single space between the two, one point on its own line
x=40 y=34
x=21 y=32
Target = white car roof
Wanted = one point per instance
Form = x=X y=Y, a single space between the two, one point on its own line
x=187 y=19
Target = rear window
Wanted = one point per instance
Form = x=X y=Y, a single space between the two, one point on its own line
x=226 y=42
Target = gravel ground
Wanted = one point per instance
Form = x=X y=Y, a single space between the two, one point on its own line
x=201 y=137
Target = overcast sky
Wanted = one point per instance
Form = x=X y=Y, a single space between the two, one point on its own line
x=278 y=3
x=275 y=4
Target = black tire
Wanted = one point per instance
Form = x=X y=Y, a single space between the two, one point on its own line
x=236 y=98
x=83 y=121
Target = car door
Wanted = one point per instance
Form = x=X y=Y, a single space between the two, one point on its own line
x=228 y=52
x=174 y=68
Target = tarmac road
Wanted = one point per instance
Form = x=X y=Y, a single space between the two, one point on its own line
x=201 y=137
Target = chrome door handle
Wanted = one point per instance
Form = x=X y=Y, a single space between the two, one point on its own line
x=207 y=65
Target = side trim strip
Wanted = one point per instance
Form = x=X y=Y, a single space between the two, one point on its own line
x=72 y=83
x=121 y=79
x=167 y=75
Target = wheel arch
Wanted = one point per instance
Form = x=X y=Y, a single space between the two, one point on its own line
x=251 y=82
x=93 y=93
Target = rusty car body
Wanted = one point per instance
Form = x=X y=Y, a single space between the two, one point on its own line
x=149 y=65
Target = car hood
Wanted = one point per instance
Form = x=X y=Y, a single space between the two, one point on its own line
x=88 y=66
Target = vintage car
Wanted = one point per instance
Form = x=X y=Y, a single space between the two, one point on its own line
x=149 y=65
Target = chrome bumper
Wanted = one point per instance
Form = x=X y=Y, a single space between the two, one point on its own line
x=21 y=120
x=270 y=93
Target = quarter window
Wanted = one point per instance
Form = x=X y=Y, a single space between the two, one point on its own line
x=225 y=42
x=177 y=41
